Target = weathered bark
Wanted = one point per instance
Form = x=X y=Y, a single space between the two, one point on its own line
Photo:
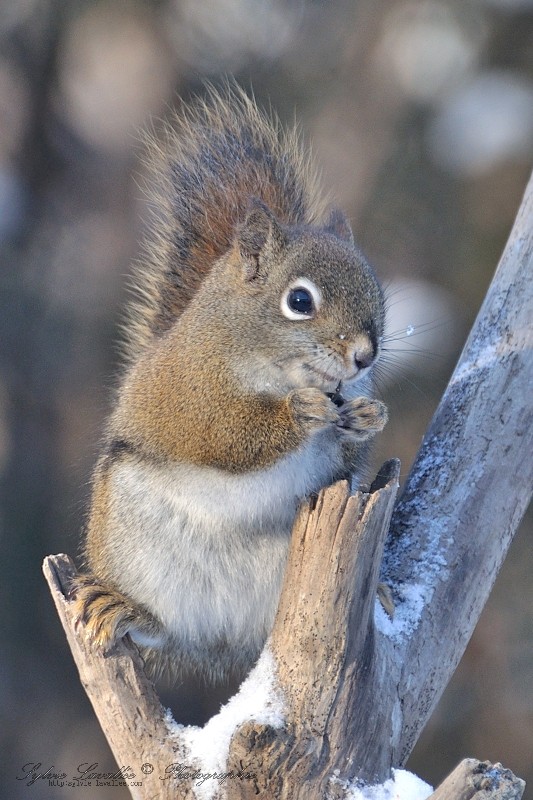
x=359 y=688
x=123 y=699
x=465 y=496
x=479 y=780
x=323 y=642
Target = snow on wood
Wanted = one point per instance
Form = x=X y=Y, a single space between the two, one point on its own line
x=259 y=700
x=402 y=785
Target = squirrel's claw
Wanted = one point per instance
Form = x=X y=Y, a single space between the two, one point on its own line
x=107 y=615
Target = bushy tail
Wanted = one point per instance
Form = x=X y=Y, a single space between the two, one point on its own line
x=213 y=158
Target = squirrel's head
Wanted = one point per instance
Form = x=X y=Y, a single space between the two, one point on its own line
x=313 y=306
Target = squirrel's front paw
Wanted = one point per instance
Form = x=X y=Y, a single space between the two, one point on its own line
x=108 y=615
x=312 y=409
x=362 y=417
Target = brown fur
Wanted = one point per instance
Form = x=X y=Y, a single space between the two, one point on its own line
x=239 y=432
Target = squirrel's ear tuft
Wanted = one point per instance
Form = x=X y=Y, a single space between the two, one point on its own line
x=339 y=226
x=259 y=238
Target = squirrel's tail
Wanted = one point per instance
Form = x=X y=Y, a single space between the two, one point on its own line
x=213 y=158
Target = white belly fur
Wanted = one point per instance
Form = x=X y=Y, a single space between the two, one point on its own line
x=206 y=549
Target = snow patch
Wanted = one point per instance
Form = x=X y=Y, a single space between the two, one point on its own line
x=431 y=566
x=487 y=356
x=259 y=699
x=402 y=786
x=407 y=612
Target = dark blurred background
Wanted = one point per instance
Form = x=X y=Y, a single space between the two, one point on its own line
x=421 y=116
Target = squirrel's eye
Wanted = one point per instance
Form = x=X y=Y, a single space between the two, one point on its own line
x=301 y=300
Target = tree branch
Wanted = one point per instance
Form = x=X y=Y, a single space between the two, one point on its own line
x=123 y=698
x=465 y=496
x=323 y=643
x=477 y=780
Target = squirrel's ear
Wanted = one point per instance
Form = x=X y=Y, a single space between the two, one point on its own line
x=339 y=226
x=259 y=238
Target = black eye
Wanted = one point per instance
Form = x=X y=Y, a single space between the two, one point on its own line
x=300 y=301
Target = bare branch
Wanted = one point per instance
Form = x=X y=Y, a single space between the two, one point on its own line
x=464 y=499
x=479 y=780
x=124 y=700
x=323 y=642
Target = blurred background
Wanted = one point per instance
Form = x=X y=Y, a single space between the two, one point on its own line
x=420 y=114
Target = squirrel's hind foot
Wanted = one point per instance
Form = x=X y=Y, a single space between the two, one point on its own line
x=108 y=615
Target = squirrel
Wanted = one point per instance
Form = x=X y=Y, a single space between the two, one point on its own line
x=246 y=388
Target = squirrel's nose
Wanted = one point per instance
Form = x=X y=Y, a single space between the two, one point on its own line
x=363 y=360
x=364 y=353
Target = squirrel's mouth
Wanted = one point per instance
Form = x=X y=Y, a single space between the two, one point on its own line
x=325 y=377
x=336 y=396
x=306 y=374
